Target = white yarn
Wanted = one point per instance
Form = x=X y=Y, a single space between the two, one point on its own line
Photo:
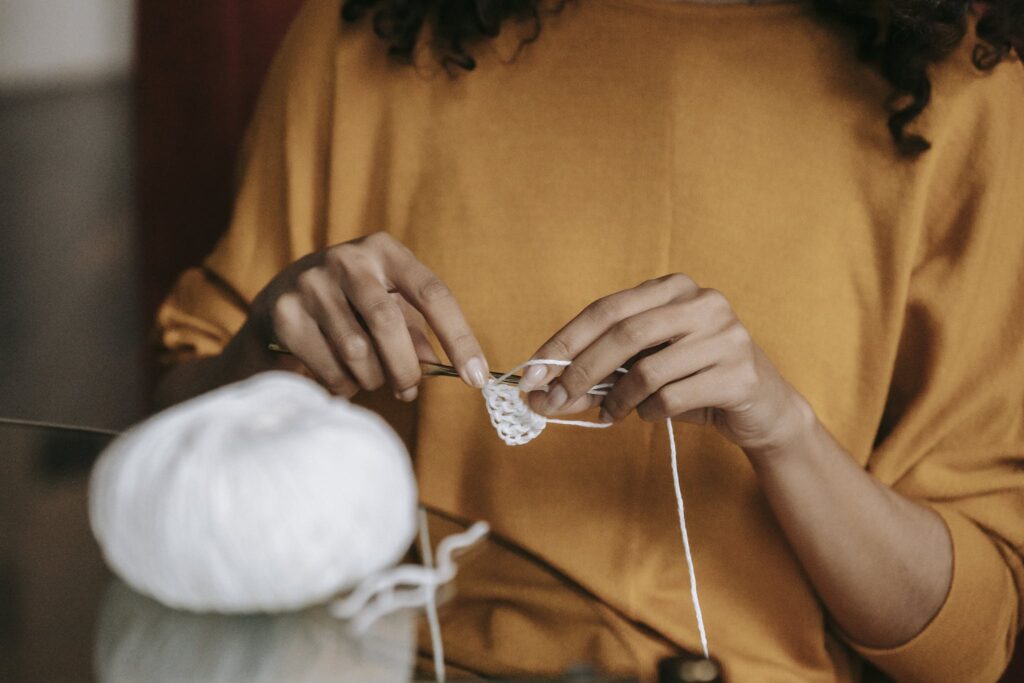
x=430 y=597
x=265 y=495
x=408 y=587
x=686 y=537
x=404 y=586
x=516 y=424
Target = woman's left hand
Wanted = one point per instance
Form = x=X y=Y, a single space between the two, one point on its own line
x=689 y=358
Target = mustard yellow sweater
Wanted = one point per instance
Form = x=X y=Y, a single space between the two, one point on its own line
x=744 y=146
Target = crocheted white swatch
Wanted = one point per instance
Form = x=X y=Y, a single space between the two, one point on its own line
x=515 y=423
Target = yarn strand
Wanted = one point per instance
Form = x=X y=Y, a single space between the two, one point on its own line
x=404 y=586
x=686 y=538
x=516 y=424
x=430 y=596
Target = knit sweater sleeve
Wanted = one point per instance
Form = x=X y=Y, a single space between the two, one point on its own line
x=953 y=432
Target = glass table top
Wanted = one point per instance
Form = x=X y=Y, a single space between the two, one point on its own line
x=64 y=617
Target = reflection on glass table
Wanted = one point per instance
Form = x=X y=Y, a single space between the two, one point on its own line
x=64 y=617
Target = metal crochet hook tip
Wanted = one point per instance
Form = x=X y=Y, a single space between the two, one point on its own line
x=429 y=369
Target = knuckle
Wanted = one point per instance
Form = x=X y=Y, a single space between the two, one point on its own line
x=680 y=282
x=309 y=281
x=632 y=331
x=354 y=346
x=603 y=311
x=665 y=403
x=406 y=378
x=557 y=348
x=285 y=312
x=383 y=313
x=379 y=238
x=648 y=374
x=462 y=342
x=384 y=244
x=715 y=300
x=738 y=336
x=433 y=290
x=342 y=255
x=577 y=376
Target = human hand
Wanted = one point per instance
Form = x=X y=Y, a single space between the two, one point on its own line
x=689 y=358
x=357 y=315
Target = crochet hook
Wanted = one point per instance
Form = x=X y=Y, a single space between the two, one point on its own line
x=429 y=369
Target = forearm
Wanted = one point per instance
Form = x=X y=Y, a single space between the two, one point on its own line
x=881 y=563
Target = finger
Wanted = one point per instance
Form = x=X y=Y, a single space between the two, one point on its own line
x=600 y=316
x=429 y=295
x=350 y=343
x=625 y=340
x=386 y=324
x=700 y=416
x=677 y=361
x=535 y=400
x=421 y=342
x=298 y=331
x=703 y=390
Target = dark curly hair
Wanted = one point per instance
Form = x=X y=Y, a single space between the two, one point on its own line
x=902 y=37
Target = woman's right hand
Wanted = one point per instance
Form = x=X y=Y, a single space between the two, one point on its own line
x=357 y=316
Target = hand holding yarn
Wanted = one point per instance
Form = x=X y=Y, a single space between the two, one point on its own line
x=357 y=316
x=516 y=425
x=513 y=420
x=689 y=358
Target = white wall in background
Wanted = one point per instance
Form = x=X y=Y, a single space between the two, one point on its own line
x=53 y=42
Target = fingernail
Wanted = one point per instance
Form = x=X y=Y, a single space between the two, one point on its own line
x=407 y=395
x=476 y=372
x=605 y=416
x=555 y=398
x=532 y=378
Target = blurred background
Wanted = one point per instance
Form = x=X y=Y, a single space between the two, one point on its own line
x=69 y=308
x=119 y=125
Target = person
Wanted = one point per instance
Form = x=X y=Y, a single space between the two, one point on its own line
x=824 y=294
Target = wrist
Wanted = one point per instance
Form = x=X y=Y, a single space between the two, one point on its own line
x=798 y=435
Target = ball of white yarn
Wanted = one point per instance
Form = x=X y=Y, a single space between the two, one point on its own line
x=265 y=495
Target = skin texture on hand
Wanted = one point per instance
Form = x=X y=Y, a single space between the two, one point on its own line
x=357 y=316
x=689 y=358
x=881 y=563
